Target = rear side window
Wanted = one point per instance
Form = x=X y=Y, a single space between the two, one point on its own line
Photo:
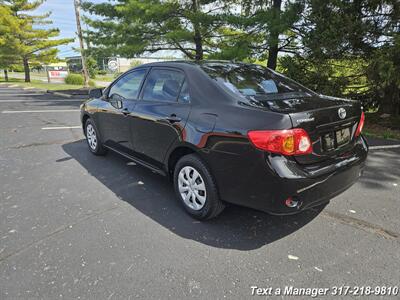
x=184 y=94
x=127 y=87
x=163 y=85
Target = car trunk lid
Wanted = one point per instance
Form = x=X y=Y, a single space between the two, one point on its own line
x=331 y=125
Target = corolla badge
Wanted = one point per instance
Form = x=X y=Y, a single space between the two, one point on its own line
x=342 y=113
x=305 y=120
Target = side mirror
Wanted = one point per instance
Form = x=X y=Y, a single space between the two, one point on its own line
x=117 y=103
x=95 y=93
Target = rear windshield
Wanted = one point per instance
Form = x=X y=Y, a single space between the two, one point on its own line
x=254 y=81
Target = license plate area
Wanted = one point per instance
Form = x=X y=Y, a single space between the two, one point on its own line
x=335 y=139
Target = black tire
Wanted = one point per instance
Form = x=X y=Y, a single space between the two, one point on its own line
x=98 y=149
x=213 y=206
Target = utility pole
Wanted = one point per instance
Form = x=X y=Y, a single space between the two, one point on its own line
x=77 y=4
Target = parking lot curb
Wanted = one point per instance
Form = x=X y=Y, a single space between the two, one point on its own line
x=60 y=94
x=33 y=89
x=383 y=147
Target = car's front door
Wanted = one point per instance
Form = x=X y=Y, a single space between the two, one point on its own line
x=160 y=115
x=114 y=114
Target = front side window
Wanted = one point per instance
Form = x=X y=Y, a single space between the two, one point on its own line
x=253 y=81
x=163 y=85
x=128 y=86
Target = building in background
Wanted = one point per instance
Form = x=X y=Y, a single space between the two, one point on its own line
x=74 y=64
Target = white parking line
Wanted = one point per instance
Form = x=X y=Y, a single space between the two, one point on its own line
x=8 y=87
x=7 y=90
x=20 y=94
x=54 y=100
x=384 y=147
x=38 y=111
x=62 y=127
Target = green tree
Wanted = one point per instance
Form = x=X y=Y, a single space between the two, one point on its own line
x=132 y=27
x=383 y=74
x=25 y=38
x=344 y=45
x=8 y=62
x=260 y=30
x=7 y=23
x=276 y=22
x=92 y=67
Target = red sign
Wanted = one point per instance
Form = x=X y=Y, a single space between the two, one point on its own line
x=57 y=76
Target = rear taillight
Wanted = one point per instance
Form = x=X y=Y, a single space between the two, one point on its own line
x=360 y=124
x=287 y=142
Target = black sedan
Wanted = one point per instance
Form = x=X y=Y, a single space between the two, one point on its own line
x=228 y=132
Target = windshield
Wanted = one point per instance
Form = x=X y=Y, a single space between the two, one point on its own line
x=254 y=81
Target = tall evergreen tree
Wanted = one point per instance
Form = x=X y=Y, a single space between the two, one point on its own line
x=25 y=39
x=383 y=74
x=133 y=27
x=261 y=29
x=357 y=30
x=7 y=23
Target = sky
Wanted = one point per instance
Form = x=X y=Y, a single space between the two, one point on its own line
x=63 y=17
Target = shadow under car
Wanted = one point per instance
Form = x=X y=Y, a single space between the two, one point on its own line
x=236 y=228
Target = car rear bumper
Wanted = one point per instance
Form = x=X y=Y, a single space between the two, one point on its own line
x=265 y=182
x=318 y=191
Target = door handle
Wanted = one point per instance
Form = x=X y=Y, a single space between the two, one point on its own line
x=173 y=118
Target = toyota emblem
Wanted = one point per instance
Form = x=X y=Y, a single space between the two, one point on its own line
x=342 y=113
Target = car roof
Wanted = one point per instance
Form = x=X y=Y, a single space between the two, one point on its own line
x=192 y=63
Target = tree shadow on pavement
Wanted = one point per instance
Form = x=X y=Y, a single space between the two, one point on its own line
x=236 y=228
x=382 y=169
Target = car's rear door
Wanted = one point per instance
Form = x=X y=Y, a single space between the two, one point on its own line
x=114 y=115
x=160 y=115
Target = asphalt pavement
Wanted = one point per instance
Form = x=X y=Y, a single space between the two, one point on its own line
x=77 y=226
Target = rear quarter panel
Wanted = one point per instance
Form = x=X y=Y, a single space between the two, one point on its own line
x=226 y=149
